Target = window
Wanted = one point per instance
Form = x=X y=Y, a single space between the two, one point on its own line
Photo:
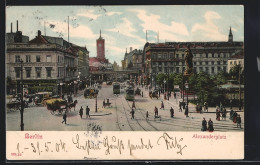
x=17 y=58
x=224 y=56
x=218 y=62
x=212 y=62
x=28 y=72
x=171 y=55
x=177 y=55
x=177 y=70
x=224 y=69
x=219 y=69
x=182 y=55
x=235 y=62
x=28 y=58
x=38 y=72
x=38 y=58
x=207 y=55
x=231 y=62
x=17 y=72
x=194 y=63
x=201 y=69
x=206 y=62
x=160 y=69
x=159 y=56
x=48 y=70
x=212 y=69
x=200 y=63
x=225 y=62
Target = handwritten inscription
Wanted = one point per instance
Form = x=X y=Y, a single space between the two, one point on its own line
x=107 y=145
x=171 y=142
x=86 y=145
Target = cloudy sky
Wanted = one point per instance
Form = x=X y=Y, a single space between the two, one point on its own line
x=125 y=26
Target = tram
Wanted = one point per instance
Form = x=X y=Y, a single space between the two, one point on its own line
x=129 y=93
x=116 y=88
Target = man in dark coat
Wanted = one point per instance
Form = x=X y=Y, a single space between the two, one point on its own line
x=174 y=94
x=180 y=105
x=210 y=124
x=186 y=111
x=172 y=112
x=231 y=114
x=224 y=114
x=238 y=121
x=204 y=125
x=87 y=112
x=132 y=113
x=64 y=118
x=81 y=112
x=162 y=105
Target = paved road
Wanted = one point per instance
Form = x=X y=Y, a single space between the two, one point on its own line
x=117 y=117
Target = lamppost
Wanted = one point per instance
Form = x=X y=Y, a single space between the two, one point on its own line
x=96 y=102
x=168 y=82
x=22 y=103
x=61 y=84
x=164 y=82
x=187 y=87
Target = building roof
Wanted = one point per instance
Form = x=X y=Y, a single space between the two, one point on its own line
x=238 y=55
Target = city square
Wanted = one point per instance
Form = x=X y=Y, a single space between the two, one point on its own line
x=144 y=84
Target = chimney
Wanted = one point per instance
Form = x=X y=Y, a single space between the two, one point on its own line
x=39 y=33
x=17 y=25
x=131 y=49
x=11 y=27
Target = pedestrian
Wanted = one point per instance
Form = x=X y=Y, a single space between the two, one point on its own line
x=218 y=115
x=64 y=118
x=132 y=113
x=142 y=94
x=172 y=112
x=162 y=105
x=87 y=112
x=81 y=112
x=235 y=117
x=165 y=96
x=231 y=114
x=180 y=105
x=210 y=124
x=238 y=121
x=204 y=125
x=183 y=105
x=206 y=106
x=147 y=115
x=200 y=108
x=133 y=105
x=186 y=111
x=224 y=114
x=197 y=108
x=155 y=111
x=174 y=94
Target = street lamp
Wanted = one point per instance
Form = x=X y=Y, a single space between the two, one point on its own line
x=61 y=84
x=168 y=81
x=96 y=102
x=22 y=103
x=164 y=82
x=187 y=87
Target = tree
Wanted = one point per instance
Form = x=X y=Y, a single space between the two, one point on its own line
x=160 y=77
x=234 y=72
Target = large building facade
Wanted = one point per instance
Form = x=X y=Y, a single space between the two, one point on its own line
x=49 y=64
x=210 y=57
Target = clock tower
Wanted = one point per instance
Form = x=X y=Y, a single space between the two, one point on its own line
x=100 y=47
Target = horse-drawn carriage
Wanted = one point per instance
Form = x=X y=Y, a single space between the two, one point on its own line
x=90 y=93
x=153 y=94
x=137 y=91
x=59 y=105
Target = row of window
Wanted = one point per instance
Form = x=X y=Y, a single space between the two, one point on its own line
x=38 y=71
x=171 y=55
x=28 y=58
x=235 y=62
x=195 y=63
x=198 y=69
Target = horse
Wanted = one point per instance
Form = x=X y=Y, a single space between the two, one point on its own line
x=73 y=104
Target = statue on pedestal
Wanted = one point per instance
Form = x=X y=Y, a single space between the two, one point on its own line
x=188 y=61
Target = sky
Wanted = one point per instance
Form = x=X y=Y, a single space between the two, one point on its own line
x=123 y=27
